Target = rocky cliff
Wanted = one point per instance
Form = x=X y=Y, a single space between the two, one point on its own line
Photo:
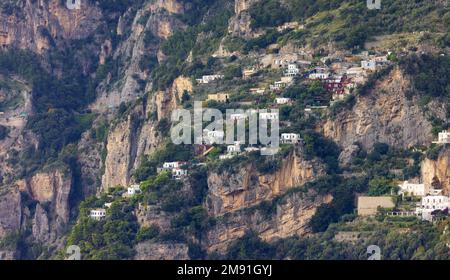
x=10 y=211
x=384 y=114
x=51 y=192
x=437 y=171
x=246 y=186
x=40 y=204
x=155 y=19
x=240 y=24
x=137 y=134
x=287 y=216
x=41 y=24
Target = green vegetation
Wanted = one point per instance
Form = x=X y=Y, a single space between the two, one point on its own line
x=178 y=47
x=385 y=162
x=343 y=192
x=318 y=146
x=379 y=186
x=56 y=101
x=250 y=247
x=161 y=189
x=422 y=242
x=147 y=233
x=170 y=152
x=111 y=238
x=349 y=22
x=431 y=75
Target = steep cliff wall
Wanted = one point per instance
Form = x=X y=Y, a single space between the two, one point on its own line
x=160 y=20
x=138 y=134
x=246 y=186
x=120 y=147
x=15 y=99
x=51 y=191
x=240 y=23
x=10 y=211
x=382 y=115
x=40 y=205
x=437 y=169
x=43 y=23
x=286 y=217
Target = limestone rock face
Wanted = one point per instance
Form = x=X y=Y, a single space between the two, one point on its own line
x=10 y=211
x=46 y=206
x=41 y=228
x=138 y=134
x=161 y=251
x=240 y=23
x=53 y=189
x=346 y=156
x=437 y=169
x=90 y=161
x=243 y=5
x=120 y=155
x=171 y=6
x=290 y=216
x=42 y=23
x=246 y=187
x=180 y=85
x=383 y=115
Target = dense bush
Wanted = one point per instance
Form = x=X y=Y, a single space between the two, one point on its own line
x=343 y=192
x=269 y=13
x=379 y=186
x=55 y=101
x=319 y=146
x=170 y=152
x=147 y=233
x=112 y=238
x=250 y=247
x=431 y=75
x=3 y=132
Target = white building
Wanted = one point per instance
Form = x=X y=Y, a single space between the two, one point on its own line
x=173 y=165
x=232 y=151
x=258 y=91
x=319 y=76
x=213 y=136
x=178 y=173
x=252 y=149
x=355 y=72
x=292 y=70
x=107 y=205
x=282 y=100
x=133 y=189
x=226 y=156
x=235 y=148
x=278 y=85
x=268 y=116
x=431 y=203
x=290 y=138
x=407 y=188
x=209 y=78
x=443 y=137
x=98 y=214
x=369 y=65
x=290 y=25
x=236 y=117
x=284 y=82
